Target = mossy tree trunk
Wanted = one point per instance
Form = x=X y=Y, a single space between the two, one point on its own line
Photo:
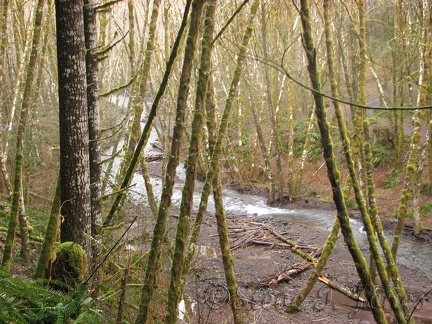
x=409 y=177
x=51 y=234
x=138 y=98
x=165 y=203
x=332 y=171
x=273 y=120
x=423 y=98
x=215 y=144
x=28 y=93
x=366 y=212
x=22 y=58
x=4 y=11
x=183 y=228
x=116 y=205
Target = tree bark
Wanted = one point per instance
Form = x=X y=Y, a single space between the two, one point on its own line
x=51 y=234
x=73 y=115
x=183 y=228
x=28 y=93
x=90 y=32
x=165 y=203
x=333 y=173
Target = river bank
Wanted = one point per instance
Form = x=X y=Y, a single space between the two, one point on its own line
x=260 y=259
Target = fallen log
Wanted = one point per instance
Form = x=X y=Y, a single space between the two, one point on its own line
x=291 y=271
x=294 y=246
x=154 y=157
x=340 y=288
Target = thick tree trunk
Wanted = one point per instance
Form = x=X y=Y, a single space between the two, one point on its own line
x=73 y=114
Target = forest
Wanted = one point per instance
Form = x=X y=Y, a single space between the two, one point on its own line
x=204 y=161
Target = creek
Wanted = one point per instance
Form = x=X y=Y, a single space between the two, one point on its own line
x=413 y=254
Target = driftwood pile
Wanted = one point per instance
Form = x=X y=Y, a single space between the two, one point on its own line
x=246 y=234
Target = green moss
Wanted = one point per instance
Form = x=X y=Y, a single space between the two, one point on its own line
x=70 y=264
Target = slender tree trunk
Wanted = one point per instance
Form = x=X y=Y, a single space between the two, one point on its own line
x=274 y=131
x=422 y=100
x=215 y=144
x=90 y=30
x=305 y=152
x=4 y=11
x=268 y=171
x=51 y=234
x=19 y=89
x=147 y=127
x=175 y=289
x=370 y=229
x=28 y=93
x=139 y=91
x=333 y=173
x=409 y=177
x=227 y=258
x=165 y=203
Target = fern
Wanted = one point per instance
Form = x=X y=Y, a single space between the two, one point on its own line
x=30 y=301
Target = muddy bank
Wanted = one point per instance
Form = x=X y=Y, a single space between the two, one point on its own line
x=256 y=263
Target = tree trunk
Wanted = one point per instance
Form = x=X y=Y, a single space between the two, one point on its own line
x=159 y=230
x=90 y=31
x=27 y=95
x=333 y=173
x=51 y=233
x=116 y=205
x=4 y=10
x=215 y=145
x=74 y=133
x=268 y=172
x=175 y=289
x=139 y=92
x=422 y=100
x=409 y=177
x=274 y=130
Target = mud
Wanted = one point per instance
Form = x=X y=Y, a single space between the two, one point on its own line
x=208 y=296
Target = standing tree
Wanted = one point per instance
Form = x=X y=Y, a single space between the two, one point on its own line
x=29 y=81
x=90 y=32
x=74 y=136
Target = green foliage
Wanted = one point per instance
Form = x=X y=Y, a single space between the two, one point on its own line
x=314 y=150
x=425 y=189
x=382 y=154
x=426 y=208
x=351 y=202
x=29 y=301
x=393 y=180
